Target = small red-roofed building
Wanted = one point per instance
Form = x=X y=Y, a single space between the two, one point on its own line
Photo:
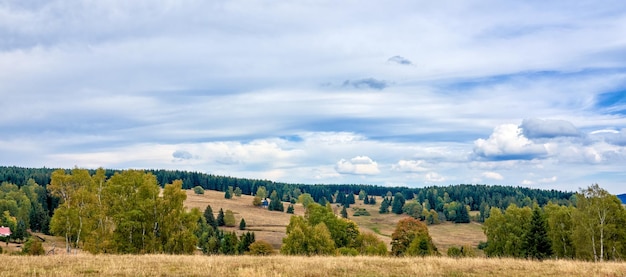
x=5 y=231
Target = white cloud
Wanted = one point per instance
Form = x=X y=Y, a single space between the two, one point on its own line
x=360 y=165
x=410 y=166
x=527 y=182
x=492 y=175
x=434 y=177
x=508 y=143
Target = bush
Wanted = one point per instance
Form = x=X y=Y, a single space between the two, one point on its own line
x=464 y=251
x=198 y=190
x=261 y=248
x=454 y=252
x=33 y=247
x=360 y=212
x=345 y=251
x=229 y=219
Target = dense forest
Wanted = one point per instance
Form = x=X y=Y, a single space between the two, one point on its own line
x=474 y=196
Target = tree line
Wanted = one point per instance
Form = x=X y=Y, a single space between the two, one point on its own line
x=590 y=228
x=477 y=197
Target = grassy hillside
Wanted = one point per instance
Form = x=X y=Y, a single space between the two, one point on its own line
x=270 y=225
x=199 y=265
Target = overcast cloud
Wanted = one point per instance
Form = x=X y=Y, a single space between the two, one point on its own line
x=414 y=93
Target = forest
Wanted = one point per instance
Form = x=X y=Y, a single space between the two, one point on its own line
x=134 y=212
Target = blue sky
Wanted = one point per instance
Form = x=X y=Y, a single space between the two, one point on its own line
x=415 y=93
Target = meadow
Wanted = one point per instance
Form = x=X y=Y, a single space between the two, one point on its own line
x=198 y=265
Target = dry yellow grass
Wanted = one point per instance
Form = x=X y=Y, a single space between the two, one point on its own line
x=448 y=234
x=270 y=226
x=164 y=265
x=267 y=225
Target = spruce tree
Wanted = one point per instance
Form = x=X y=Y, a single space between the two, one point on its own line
x=384 y=206
x=351 y=199
x=242 y=224
x=220 y=218
x=536 y=242
x=210 y=218
x=344 y=212
x=372 y=200
x=227 y=194
x=366 y=201
x=290 y=209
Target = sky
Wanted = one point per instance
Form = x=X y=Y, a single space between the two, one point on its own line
x=394 y=93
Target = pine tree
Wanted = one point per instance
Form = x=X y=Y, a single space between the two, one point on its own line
x=210 y=218
x=384 y=206
x=536 y=241
x=220 y=218
x=372 y=200
x=242 y=224
x=351 y=199
x=228 y=194
x=366 y=201
x=290 y=209
x=344 y=212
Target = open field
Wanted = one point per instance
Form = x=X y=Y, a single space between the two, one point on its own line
x=270 y=226
x=164 y=265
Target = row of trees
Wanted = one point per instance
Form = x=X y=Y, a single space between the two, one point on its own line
x=589 y=229
x=473 y=196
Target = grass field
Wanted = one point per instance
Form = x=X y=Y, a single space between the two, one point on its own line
x=198 y=265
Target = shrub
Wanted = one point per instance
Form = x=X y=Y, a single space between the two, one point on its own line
x=33 y=247
x=345 y=251
x=198 y=190
x=454 y=252
x=360 y=212
x=261 y=248
x=229 y=219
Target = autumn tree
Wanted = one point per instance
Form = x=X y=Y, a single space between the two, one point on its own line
x=411 y=238
x=305 y=199
x=261 y=248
